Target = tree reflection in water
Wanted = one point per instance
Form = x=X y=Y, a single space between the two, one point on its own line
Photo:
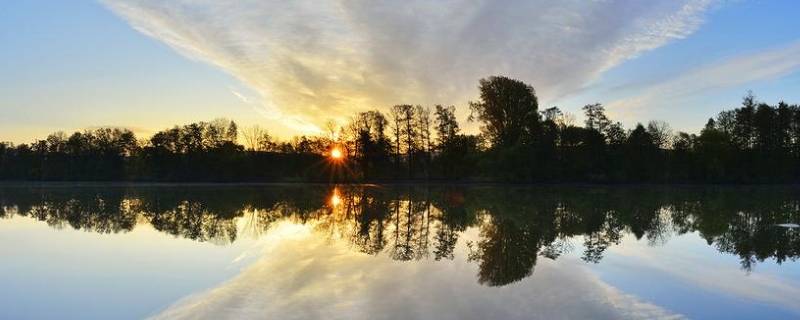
x=517 y=225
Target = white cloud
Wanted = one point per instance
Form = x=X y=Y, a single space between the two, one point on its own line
x=312 y=60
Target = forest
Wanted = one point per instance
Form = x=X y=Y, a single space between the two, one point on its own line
x=518 y=143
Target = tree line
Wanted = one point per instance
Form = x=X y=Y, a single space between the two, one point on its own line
x=754 y=143
x=518 y=226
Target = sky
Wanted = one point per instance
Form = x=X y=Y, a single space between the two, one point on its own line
x=290 y=66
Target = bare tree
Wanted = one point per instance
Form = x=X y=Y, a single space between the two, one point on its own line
x=258 y=139
x=567 y=119
x=560 y=118
x=332 y=129
x=251 y=135
x=661 y=133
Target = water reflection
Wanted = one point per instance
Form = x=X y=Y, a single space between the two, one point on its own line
x=517 y=226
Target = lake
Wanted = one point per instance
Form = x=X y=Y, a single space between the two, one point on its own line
x=116 y=251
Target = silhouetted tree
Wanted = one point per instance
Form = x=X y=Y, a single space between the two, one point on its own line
x=596 y=118
x=446 y=124
x=507 y=110
x=661 y=133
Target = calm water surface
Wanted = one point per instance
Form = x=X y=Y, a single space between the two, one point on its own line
x=379 y=252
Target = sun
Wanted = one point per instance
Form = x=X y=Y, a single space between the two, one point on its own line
x=336 y=153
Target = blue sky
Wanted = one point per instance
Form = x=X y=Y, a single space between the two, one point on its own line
x=72 y=65
x=290 y=67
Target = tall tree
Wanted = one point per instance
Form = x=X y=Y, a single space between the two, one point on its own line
x=371 y=147
x=713 y=147
x=765 y=125
x=396 y=112
x=743 y=131
x=596 y=118
x=423 y=120
x=446 y=124
x=407 y=135
x=424 y=123
x=640 y=154
x=508 y=110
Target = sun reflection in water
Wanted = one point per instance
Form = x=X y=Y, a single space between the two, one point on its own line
x=335 y=199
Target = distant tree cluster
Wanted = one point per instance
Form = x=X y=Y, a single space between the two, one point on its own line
x=755 y=143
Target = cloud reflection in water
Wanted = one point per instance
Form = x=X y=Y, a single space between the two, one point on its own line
x=306 y=276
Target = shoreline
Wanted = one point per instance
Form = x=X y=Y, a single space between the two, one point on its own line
x=82 y=184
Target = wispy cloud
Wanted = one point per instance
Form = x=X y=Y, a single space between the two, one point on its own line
x=312 y=60
x=241 y=96
x=729 y=72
